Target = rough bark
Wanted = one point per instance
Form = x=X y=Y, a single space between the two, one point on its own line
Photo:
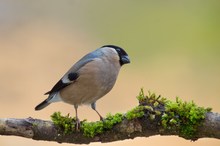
x=128 y=129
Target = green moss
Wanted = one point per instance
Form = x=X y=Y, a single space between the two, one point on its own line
x=152 y=117
x=181 y=117
x=151 y=99
x=111 y=120
x=184 y=117
x=136 y=112
x=65 y=123
x=141 y=96
x=149 y=108
x=157 y=112
x=90 y=129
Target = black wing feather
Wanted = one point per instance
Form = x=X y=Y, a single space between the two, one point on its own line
x=60 y=85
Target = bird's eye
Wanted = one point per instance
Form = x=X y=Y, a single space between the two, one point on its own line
x=118 y=50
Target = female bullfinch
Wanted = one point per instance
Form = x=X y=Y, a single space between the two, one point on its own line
x=89 y=79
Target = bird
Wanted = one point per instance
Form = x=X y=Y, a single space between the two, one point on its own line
x=89 y=79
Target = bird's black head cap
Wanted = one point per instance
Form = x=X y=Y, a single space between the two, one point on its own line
x=124 y=59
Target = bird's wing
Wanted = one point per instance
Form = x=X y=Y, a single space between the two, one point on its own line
x=61 y=84
x=72 y=74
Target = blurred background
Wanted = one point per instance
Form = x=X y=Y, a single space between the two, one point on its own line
x=174 y=47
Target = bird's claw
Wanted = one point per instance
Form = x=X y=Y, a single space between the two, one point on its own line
x=102 y=119
x=78 y=125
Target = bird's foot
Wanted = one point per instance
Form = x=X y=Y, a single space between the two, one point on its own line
x=101 y=118
x=78 y=125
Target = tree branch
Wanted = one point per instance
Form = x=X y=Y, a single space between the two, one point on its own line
x=155 y=115
x=127 y=129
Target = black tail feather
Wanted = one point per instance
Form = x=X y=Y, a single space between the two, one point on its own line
x=42 y=105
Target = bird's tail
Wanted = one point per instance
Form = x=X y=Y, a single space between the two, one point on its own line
x=55 y=97
x=42 y=105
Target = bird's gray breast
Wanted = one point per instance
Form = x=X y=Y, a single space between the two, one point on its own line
x=95 y=80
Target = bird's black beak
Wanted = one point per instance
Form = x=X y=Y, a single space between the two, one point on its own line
x=125 y=59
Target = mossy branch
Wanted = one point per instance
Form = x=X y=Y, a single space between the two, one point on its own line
x=155 y=115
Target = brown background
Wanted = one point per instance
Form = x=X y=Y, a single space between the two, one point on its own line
x=174 y=48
